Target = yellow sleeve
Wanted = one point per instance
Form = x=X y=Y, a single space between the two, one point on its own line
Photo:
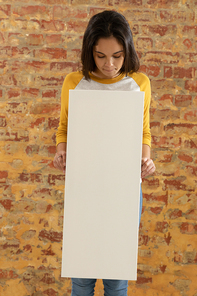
x=144 y=83
x=70 y=82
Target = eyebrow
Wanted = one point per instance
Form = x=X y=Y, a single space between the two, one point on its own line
x=113 y=53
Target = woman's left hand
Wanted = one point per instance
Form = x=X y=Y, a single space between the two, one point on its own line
x=147 y=167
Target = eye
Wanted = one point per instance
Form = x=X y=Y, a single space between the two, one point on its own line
x=117 y=57
x=100 y=57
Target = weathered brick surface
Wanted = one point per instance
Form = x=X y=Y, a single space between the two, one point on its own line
x=40 y=44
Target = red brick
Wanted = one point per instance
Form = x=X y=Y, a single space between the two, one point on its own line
x=190 y=115
x=154 y=183
x=53 y=179
x=10 y=245
x=32 y=11
x=60 y=12
x=191 y=214
x=32 y=149
x=16 y=107
x=7 y=80
x=1 y=93
x=2 y=39
x=5 y=11
x=30 y=92
x=150 y=70
x=174 y=213
x=185 y=157
x=27 y=248
x=33 y=178
x=13 y=93
x=17 y=52
x=3 y=64
x=129 y=2
x=35 y=39
x=165 y=114
x=161 y=226
x=30 y=66
x=178 y=257
x=166 y=97
x=76 y=26
x=54 y=39
x=156 y=210
x=7 y=274
x=49 y=150
x=162 y=268
x=14 y=38
x=19 y=136
x=59 y=66
x=187 y=43
x=50 y=81
x=190 y=144
x=192 y=170
x=181 y=127
x=3 y=121
x=174 y=16
x=166 y=158
x=43 y=108
x=50 y=2
x=6 y=203
x=161 y=30
x=52 y=26
x=183 y=100
x=143 y=240
x=168 y=238
x=143 y=280
x=53 y=123
x=50 y=292
x=137 y=16
x=162 y=57
x=183 y=72
x=50 y=235
x=190 y=30
x=48 y=251
x=163 y=4
x=177 y=184
x=187 y=228
x=50 y=93
x=144 y=43
x=51 y=53
x=3 y=176
x=135 y=29
x=166 y=142
x=191 y=57
x=167 y=71
x=191 y=85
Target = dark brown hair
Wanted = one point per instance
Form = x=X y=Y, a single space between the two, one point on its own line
x=104 y=25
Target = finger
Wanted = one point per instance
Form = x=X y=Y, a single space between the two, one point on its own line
x=150 y=170
x=60 y=162
x=146 y=164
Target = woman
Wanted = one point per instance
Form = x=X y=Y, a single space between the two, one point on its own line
x=109 y=62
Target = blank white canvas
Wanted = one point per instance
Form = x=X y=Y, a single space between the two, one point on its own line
x=103 y=167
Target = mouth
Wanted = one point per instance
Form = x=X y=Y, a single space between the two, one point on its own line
x=107 y=70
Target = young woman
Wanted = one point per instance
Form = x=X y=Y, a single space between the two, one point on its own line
x=109 y=62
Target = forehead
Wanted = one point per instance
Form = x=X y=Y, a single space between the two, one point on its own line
x=110 y=44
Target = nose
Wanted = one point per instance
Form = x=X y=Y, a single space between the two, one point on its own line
x=109 y=61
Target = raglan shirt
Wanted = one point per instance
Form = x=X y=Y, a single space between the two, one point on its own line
x=131 y=82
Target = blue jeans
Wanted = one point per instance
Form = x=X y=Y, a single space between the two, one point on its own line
x=85 y=287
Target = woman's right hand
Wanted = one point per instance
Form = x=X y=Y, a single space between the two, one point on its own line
x=60 y=160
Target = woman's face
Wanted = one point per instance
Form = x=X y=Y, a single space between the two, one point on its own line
x=108 y=55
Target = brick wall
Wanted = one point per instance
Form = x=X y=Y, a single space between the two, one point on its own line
x=40 y=43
